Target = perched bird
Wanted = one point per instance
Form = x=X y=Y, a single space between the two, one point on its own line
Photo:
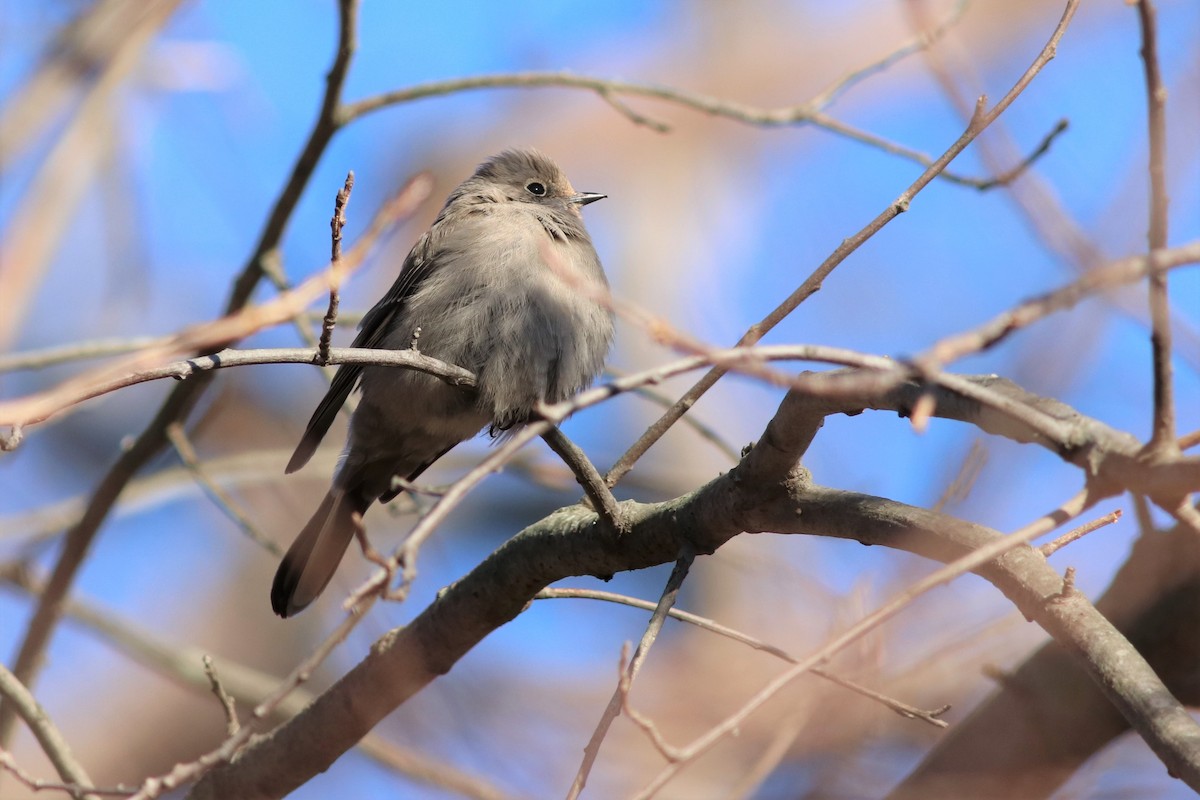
x=506 y=284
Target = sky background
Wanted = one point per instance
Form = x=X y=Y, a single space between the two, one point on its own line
x=709 y=226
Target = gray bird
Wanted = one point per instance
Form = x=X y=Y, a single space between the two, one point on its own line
x=506 y=284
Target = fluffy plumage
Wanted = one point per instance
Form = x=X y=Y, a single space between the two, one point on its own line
x=505 y=283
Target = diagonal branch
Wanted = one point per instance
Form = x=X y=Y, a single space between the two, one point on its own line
x=979 y=122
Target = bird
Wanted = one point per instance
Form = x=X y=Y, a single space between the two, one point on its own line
x=506 y=284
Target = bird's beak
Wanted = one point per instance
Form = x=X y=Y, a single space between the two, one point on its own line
x=583 y=198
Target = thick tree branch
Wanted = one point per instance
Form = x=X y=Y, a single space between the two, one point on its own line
x=1045 y=719
x=763 y=493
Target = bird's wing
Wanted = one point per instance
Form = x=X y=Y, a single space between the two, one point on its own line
x=374 y=327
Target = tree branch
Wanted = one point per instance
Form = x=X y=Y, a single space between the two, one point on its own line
x=813 y=283
x=183 y=399
x=763 y=493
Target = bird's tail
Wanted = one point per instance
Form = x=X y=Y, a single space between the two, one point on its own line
x=313 y=558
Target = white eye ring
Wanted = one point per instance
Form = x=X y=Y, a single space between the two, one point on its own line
x=537 y=189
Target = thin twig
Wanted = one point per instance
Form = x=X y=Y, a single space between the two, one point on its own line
x=687 y=554
x=336 y=224
x=610 y=90
x=182 y=774
x=77 y=351
x=597 y=491
x=9 y=764
x=976 y=558
x=624 y=685
x=216 y=493
x=1162 y=441
x=231 y=719
x=209 y=336
x=1050 y=548
x=248 y=686
x=1116 y=273
x=978 y=123
x=18 y=697
x=184 y=398
x=929 y=716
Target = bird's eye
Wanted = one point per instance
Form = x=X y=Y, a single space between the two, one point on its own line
x=536 y=189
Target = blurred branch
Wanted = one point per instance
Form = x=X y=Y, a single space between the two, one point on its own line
x=964 y=479
x=44 y=730
x=206 y=336
x=47 y=522
x=628 y=672
x=979 y=122
x=903 y=709
x=610 y=90
x=185 y=396
x=1162 y=440
x=1035 y=200
x=809 y=113
x=970 y=562
x=106 y=37
x=1095 y=281
x=220 y=498
x=61 y=354
x=110 y=38
x=922 y=41
x=182 y=663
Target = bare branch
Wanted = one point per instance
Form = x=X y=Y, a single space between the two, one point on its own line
x=598 y=493
x=184 y=398
x=23 y=704
x=335 y=268
x=571 y=541
x=1117 y=273
x=814 y=281
x=220 y=498
x=207 y=336
x=62 y=354
x=960 y=566
x=231 y=720
x=903 y=709
x=1049 y=548
x=611 y=91
x=1162 y=441
x=181 y=663
x=619 y=700
x=9 y=764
